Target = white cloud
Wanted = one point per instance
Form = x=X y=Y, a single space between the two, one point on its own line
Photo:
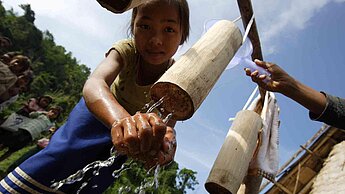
x=281 y=18
x=193 y=158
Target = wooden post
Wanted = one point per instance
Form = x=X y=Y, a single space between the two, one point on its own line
x=120 y=6
x=232 y=162
x=187 y=83
x=246 y=10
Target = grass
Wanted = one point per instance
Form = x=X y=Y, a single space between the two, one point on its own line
x=12 y=158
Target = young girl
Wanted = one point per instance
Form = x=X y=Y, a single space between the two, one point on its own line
x=34 y=104
x=107 y=115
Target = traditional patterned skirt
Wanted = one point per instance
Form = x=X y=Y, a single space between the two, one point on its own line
x=81 y=140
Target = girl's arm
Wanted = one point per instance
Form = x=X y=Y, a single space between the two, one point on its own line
x=97 y=94
x=135 y=136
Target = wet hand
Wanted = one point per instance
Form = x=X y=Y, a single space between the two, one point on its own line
x=139 y=135
x=167 y=152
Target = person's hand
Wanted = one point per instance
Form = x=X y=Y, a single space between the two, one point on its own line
x=279 y=81
x=42 y=143
x=139 y=136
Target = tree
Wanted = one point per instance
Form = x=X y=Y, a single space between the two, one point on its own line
x=136 y=180
x=29 y=15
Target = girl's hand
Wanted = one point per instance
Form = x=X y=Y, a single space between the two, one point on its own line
x=139 y=135
x=167 y=151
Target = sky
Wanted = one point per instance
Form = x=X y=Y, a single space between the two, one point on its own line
x=306 y=38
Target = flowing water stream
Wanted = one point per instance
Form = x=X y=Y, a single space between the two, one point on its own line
x=96 y=166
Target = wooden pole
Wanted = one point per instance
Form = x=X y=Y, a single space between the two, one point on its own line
x=232 y=162
x=246 y=10
x=120 y=6
x=186 y=84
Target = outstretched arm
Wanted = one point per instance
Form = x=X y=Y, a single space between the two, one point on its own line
x=97 y=94
x=140 y=136
x=282 y=82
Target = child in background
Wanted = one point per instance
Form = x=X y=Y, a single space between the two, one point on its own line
x=30 y=129
x=7 y=57
x=5 y=42
x=9 y=72
x=21 y=85
x=19 y=64
x=7 y=78
x=41 y=144
x=108 y=114
x=34 y=104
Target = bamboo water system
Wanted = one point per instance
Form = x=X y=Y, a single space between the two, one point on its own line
x=120 y=6
x=229 y=170
x=186 y=84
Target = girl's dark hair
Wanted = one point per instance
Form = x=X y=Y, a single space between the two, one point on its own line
x=183 y=9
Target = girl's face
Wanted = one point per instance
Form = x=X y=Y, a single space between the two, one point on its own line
x=157 y=32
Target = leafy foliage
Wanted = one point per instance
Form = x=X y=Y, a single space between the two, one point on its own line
x=168 y=181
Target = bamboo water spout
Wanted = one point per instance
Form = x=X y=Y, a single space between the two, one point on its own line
x=186 y=84
x=120 y=6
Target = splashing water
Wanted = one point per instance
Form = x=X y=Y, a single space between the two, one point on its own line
x=149 y=182
x=124 y=190
x=96 y=166
x=125 y=166
x=155 y=105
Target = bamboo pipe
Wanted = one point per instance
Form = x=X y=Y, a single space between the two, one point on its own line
x=186 y=84
x=120 y=6
x=233 y=159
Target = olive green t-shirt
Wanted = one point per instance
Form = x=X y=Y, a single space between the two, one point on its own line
x=128 y=93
